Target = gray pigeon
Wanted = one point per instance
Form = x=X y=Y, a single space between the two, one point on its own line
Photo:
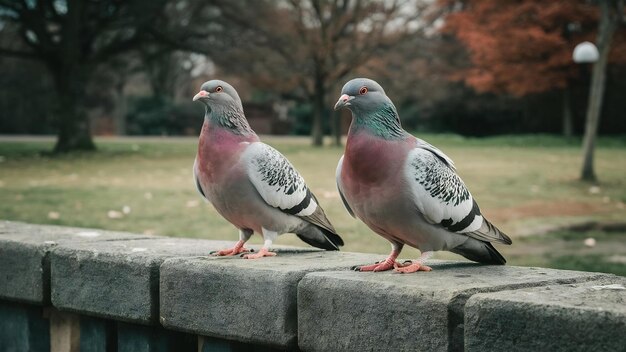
x=251 y=184
x=405 y=189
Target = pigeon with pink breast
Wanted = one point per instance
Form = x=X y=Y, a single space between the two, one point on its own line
x=405 y=189
x=251 y=184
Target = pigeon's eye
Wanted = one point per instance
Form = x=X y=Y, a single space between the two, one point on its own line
x=363 y=90
x=218 y=89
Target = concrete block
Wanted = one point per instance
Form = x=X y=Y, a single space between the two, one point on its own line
x=589 y=316
x=117 y=279
x=24 y=262
x=353 y=311
x=23 y=328
x=210 y=344
x=251 y=301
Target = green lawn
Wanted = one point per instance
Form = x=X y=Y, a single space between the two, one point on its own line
x=524 y=184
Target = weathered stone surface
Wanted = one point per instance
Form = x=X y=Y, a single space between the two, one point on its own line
x=250 y=301
x=24 y=262
x=352 y=311
x=117 y=279
x=308 y=299
x=209 y=344
x=588 y=316
x=23 y=328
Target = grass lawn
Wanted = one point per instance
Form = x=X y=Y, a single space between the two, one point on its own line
x=524 y=184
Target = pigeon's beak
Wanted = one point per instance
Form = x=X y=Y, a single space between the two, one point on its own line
x=201 y=94
x=343 y=101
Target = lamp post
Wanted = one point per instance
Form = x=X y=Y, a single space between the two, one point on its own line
x=587 y=53
x=611 y=17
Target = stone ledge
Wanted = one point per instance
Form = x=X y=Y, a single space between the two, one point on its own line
x=348 y=311
x=245 y=300
x=574 y=317
x=119 y=279
x=24 y=262
x=304 y=298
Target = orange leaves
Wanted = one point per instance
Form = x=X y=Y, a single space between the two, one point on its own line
x=524 y=46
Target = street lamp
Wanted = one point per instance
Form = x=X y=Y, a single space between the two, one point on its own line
x=585 y=53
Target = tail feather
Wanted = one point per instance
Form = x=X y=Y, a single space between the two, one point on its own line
x=489 y=233
x=321 y=238
x=479 y=251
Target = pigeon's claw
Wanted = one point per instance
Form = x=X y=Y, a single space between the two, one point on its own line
x=385 y=265
x=230 y=252
x=237 y=249
x=264 y=252
x=411 y=267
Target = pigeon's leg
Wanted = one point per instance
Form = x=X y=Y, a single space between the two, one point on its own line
x=386 y=264
x=269 y=237
x=415 y=266
x=244 y=236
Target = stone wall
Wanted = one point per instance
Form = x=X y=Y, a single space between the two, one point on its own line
x=70 y=289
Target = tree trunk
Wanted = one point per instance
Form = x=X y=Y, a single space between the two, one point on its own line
x=71 y=116
x=608 y=24
x=568 y=124
x=317 y=132
x=120 y=108
x=71 y=75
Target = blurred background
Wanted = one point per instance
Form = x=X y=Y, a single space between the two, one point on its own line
x=97 y=126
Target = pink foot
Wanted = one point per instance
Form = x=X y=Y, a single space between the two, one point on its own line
x=237 y=249
x=385 y=265
x=411 y=268
x=262 y=253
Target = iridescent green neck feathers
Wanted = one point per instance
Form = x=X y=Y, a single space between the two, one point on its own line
x=383 y=122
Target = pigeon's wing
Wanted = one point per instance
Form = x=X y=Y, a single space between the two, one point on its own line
x=441 y=196
x=438 y=153
x=281 y=186
x=195 y=180
x=340 y=186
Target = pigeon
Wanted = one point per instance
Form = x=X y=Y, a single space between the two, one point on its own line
x=251 y=184
x=405 y=189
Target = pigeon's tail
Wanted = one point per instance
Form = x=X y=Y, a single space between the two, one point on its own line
x=320 y=237
x=479 y=251
x=489 y=233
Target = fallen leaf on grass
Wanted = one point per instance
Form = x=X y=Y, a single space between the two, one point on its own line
x=54 y=215
x=114 y=214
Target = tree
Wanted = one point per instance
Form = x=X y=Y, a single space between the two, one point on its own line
x=74 y=37
x=611 y=16
x=305 y=48
x=523 y=47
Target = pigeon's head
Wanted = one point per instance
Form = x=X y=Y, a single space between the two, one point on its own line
x=362 y=95
x=218 y=94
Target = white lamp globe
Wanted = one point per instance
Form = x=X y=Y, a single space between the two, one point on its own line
x=585 y=53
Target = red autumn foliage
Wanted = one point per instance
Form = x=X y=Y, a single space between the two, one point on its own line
x=522 y=47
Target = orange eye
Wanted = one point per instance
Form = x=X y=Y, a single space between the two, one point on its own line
x=219 y=89
x=363 y=90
